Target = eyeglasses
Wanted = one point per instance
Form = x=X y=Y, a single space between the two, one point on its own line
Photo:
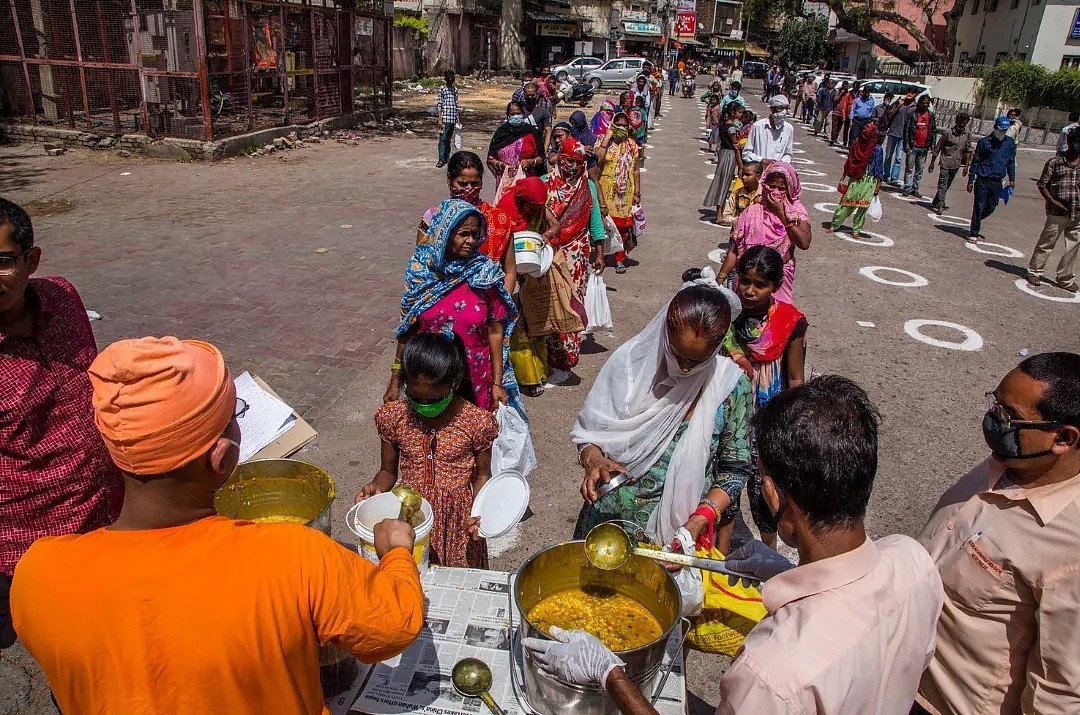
x=241 y=408
x=994 y=408
x=7 y=263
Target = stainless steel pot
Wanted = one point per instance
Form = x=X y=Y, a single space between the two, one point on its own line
x=278 y=488
x=564 y=566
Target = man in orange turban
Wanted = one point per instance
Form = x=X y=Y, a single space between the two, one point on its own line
x=174 y=609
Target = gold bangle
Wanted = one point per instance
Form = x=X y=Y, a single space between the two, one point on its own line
x=395 y=367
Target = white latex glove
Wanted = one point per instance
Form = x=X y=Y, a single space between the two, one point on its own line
x=575 y=657
x=757 y=559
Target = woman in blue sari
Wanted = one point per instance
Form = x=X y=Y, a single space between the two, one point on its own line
x=451 y=287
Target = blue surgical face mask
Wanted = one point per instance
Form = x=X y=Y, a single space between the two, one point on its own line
x=516 y=120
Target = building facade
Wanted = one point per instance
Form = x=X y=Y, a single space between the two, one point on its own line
x=1042 y=32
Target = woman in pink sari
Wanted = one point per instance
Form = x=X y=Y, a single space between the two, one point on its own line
x=515 y=146
x=780 y=222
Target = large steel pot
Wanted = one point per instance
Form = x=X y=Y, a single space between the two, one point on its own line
x=278 y=488
x=562 y=567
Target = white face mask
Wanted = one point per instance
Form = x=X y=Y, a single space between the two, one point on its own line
x=677 y=373
x=777 y=119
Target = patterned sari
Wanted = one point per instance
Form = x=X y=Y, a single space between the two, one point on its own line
x=764 y=340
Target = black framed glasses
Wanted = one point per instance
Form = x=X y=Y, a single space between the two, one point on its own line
x=241 y=408
x=8 y=263
x=993 y=407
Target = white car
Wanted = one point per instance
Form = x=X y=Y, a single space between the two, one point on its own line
x=899 y=88
x=577 y=67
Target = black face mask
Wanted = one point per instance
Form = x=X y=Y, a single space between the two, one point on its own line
x=1005 y=441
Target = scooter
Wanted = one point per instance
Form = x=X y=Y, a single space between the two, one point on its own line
x=581 y=94
x=689 y=86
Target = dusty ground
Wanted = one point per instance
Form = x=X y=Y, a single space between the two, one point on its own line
x=227 y=253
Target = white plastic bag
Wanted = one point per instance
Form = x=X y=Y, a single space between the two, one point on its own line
x=513 y=448
x=691 y=587
x=597 y=307
x=457 y=137
x=613 y=243
x=874 y=212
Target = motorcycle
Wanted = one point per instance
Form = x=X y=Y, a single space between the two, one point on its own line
x=581 y=94
x=689 y=86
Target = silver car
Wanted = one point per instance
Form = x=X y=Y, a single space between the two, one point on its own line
x=576 y=67
x=616 y=73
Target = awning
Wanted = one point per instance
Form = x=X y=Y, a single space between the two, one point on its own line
x=551 y=17
x=727 y=44
x=756 y=51
x=631 y=37
x=689 y=43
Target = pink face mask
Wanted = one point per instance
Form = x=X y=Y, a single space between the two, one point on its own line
x=469 y=193
x=773 y=193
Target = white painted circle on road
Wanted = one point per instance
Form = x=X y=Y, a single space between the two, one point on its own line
x=707 y=222
x=826 y=208
x=797 y=143
x=811 y=172
x=909 y=199
x=948 y=220
x=1002 y=251
x=798 y=151
x=710 y=177
x=916 y=281
x=880 y=241
x=815 y=186
x=1025 y=288
x=972 y=341
x=801 y=161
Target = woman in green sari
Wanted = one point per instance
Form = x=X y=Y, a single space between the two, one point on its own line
x=863 y=172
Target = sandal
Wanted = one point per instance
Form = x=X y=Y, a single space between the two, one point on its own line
x=532 y=390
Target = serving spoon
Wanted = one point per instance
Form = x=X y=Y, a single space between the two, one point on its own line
x=472 y=678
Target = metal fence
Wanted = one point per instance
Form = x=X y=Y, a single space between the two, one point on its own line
x=893 y=68
x=1042 y=126
x=198 y=69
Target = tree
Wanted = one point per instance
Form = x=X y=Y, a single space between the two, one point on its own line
x=861 y=17
x=802 y=40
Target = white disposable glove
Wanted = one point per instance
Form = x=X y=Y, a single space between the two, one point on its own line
x=757 y=559
x=575 y=657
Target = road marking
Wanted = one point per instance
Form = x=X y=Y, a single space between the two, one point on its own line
x=707 y=222
x=948 y=220
x=798 y=151
x=908 y=199
x=916 y=281
x=1022 y=284
x=865 y=324
x=815 y=186
x=811 y=172
x=826 y=208
x=710 y=177
x=882 y=242
x=972 y=341
x=1005 y=252
x=802 y=161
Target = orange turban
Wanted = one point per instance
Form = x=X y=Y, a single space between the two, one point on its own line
x=160 y=402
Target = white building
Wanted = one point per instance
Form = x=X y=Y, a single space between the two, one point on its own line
x=1042 y=32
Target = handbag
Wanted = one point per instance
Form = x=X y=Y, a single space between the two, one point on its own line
x=548 y=302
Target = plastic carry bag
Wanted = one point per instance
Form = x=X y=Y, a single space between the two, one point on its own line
x=597 y=307
x=639 y=221
x=457 y=137
x=689 y=580
x=613 y=243
x=513 y=448
x=874 y=212
x=729 y=611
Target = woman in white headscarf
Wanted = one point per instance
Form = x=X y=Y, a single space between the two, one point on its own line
x=673 y=413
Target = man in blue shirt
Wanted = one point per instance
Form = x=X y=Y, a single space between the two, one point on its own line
x=861 y=111
x=823 y=106
x=994 y=161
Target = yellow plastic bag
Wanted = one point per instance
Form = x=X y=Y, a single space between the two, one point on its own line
x=729 y=612
x=529 y=357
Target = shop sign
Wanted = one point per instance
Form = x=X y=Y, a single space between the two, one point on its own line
x=556 y=29
x=1075 y=27
x=686 y=24
x=642 y=28
x=635 y=16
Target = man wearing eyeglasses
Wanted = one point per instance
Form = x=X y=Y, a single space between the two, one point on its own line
x=174 y=609
x=55 y=473
x=1006 y=540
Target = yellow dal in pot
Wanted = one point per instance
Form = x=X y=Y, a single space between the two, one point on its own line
x=620 y=623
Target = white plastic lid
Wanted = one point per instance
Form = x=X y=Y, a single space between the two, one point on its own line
x=501 y=503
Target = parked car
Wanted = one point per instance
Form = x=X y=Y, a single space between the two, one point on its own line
x=878 y=88
x=616 y=73
x=577 y=67
x=755 y=70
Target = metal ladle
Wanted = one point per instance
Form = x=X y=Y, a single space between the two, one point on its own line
x=472 y=678
x=608 y=547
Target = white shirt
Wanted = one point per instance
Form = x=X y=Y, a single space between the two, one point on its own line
x=765 y=142
x=849 y=635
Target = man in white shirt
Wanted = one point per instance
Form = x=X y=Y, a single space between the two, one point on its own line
x=851 y=628
x=772 y=138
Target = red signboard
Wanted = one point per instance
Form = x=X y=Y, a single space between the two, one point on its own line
x=686 y=24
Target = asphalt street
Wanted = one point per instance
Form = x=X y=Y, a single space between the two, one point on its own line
x=227 y=252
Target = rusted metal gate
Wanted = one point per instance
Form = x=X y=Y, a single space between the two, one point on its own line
x=191 y=68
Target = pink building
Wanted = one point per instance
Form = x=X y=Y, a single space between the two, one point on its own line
x=909 y=9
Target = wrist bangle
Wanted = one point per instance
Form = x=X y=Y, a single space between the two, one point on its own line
x=395 y=367
x=711 y=503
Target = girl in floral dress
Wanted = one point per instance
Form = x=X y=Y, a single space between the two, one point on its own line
x=440 y=443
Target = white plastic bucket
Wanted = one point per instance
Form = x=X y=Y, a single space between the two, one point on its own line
x=361 y=519
x=527 y=251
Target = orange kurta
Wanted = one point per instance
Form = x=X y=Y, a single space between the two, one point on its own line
x=217 y=616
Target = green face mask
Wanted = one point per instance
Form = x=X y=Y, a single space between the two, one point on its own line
x=430 y=409
x=619 y=133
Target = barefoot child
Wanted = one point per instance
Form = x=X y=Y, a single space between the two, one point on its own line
x=441 y=443
x=768 y=341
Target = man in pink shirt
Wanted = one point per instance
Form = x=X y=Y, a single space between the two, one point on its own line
x=851 y=628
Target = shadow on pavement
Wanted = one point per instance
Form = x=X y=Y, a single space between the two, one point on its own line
x=18 y=175
x=1020 y=271
x=958 y=231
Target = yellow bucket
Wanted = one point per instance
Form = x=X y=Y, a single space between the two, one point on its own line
x=361 y=519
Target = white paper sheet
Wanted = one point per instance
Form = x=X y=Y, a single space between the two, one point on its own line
x=266 y=419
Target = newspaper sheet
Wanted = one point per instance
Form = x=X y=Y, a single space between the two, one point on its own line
x=467 y=615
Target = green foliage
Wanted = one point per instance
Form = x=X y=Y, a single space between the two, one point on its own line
x=1033 y=86
x=764 y=12
x=1016 y=82
x=413 y=24
x=802 y=40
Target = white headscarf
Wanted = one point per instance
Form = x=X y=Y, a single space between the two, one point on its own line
x=640 y=400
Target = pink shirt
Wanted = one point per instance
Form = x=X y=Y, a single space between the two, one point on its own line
x=850 y=634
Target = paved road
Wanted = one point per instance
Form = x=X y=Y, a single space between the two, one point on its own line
x=226 y=252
